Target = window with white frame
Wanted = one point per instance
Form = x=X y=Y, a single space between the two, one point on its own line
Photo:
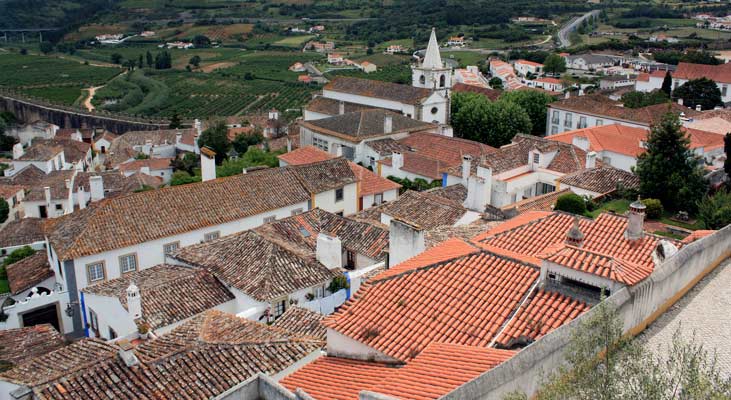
x=378 y=198
x=319 y=292
x=554 y=130
x=339 y=194
x=536 y=158
x=555 y=118
x=567 y=120
x=320 y=143
x=280 y=307
x=269 y=219
x=95 y=272
x=543 y=188
x=170 y=247
x=582 y=122
x=127 y=263
x=211 y=236
x=93 y=320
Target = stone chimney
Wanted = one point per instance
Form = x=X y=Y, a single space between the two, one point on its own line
x=404 y=241
x=680 y=101
x=635 y=221
x=574 y=237
x=18 y=151
x=341 y=107
x=289 y=145
x=466 y=168
x=96 y=187
x=591 y=159
x=134 y=301
x=397 y=160
x=329 y=251
x=479 y=190
x=698 y=107
x=127 y=354
x=81 y=198
x=581 y=142
x=387 y=124
x=208 y=164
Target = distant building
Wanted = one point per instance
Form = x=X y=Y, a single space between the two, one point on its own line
x=617 y=81
x=721 y=74
x=457 y=41
x=589 y=62
x=395 y=49
x=525 y=67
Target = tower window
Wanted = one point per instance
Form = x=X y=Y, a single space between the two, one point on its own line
x=434 y=110
x=422 y=79
x=442 y=81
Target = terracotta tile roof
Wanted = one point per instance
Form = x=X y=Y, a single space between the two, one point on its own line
x=333 y=378
x=303 y=322
x=601 y=180
x=169 y=293
x=122 y=147
x=41 y=150
x=198 y=360
x=520 y=219
x=152 y=163
x=370 y=182
x=27 y=177
x=449 y=249
x=387 y=146
x=9 y=191
x=323 y=105
x=382 y=90
x=699 y=234
x=418 y=164
x=422 y=209
x=357 y=126
x=115 y=183
x=544 y=312
x=132 y=219
x=28 y=272
x=440 y=234
x=489 y=93
x=24 y=231
x=717 y=73
x=599 y=264
x=550 y=80
x=704 y=139
x=305 y=155
x=259 y=266
x=543 y=202
x=438 y=370
x=456 y=193
x=56 y=180
x=715 y=124
x=464 y=301
x=527 y=62
x=617 y=138
x=29 y=342
x=603 y=106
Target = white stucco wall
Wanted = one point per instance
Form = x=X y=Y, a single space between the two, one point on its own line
x=406 y=109
x=348 y=205
x=339 y=345
x=591 y=120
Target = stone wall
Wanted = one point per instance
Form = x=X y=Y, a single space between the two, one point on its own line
x=638 y=306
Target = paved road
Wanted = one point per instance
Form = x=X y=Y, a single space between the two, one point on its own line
x=563 y=34
x=704 y=311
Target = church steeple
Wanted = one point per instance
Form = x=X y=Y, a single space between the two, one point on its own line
x=432 y=58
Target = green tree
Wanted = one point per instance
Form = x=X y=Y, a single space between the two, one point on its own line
x=535 y=103
x=188 y=163
x=216 y=138
x=491 y=123
x=241 y=143
x=715 y=211
x=461 y=98
x=17 y=255
x=149 y=59
x=183 y=178
x=496 y=83
x=703 y=92
x=116 y=58
x=554 y=64
x=201 y=41
x=140 y=62
x=668 y=170
x=727 y=150
x=571 y=202
x=195 y=61
x=175 y=122
x=253 y=157
x=667 y=84
x=641 y=99
x=45 y=47
x=4 y=210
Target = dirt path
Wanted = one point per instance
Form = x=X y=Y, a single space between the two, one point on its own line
x=87 y=101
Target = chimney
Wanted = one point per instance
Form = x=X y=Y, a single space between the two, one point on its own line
x=134 y=301
x=289 y=145
x=198 y=126
x=591 y=159
x=273 y=114
x=479 y=189
x=387 y=124
x=96 y=186
x=81 y=198
x=466 y=168
x=208 y=164
x=397 y=160
x=178 y=137
x=329 y=251
x=574 y=237
x=341 y=107
x=404 y=241
x=698 y=107
x=127 y=354
x=18 y=151
x=67 y=183
x=635 y=220
x=680 y=101
x=567 y=95
x=581 y=142
x=47 y=196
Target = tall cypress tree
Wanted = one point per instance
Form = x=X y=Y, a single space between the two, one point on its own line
x=667 y=83
x=668 y=170
x=727 y=149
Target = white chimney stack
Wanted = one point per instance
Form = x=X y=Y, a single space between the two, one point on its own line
x=680 y=101
x=479 y=190
x=466 y=168
x=178 y=137
x=341 y=107
x=18 y=151
x=47 y=196
x=591 y=159
x=289 y=145
x=698 y=107
x=81 y=198
x=96 y=186
x=387 y=124
x=404 y=241
x=208 y=164
x=198 y=126
x=397 y=160
x=635 y=220
x=134 y=301
x=329 y=251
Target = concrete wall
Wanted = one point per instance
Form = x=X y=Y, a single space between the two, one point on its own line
x=637 y=306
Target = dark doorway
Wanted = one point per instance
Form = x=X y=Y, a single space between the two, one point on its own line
x=350 y=260
x=44 y=315
x=42 y=211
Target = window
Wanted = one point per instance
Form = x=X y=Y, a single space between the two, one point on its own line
x=170 y=247
x=320 y=143
x=269 y=219
x=536 y=158
x=567 y=122
x=211 y=236
x=297 y=211
x=319 y=292
x=339 y=194
x=555 y=118
x=554 y=130
x=93 y=321
x=434 y=110
x=95 y=272
x=599 y=122
x=112 y=334
x=378 y=199
x=582 y=122
x=59 y=206
x=607 y=160
x=543 y=188
x=422 y=79
x=127 y=263
x=442 y=81
x=280 y=307
x=339 y=214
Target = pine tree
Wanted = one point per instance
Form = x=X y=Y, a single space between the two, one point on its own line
x=668 y=170
x=150 y=61
x=727 y=149
x=175 y=122
x=140 y=62
x=667 y=83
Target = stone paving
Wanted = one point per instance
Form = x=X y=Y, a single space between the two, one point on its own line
x=705 y=310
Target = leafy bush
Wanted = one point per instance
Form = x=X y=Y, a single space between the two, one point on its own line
x=571 y=202
x=15 y=256
x=339 y=282
x=653 y=208
x=714 y=212
x=183 y=178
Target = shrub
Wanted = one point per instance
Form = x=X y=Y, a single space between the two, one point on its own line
x=715 y=211
x=571 y=202
x=339 y=282
x=653 y=209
